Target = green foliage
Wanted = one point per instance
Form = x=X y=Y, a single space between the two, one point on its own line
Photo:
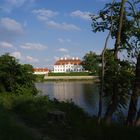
x=7 y=100
x=76 y=126
x=9 y=68
x=10 y=129
x=25 y=90
x=91 y=62
x=102 y=21
x=33 y=111
x=130 y=33
x=119 y=74
x=14 y=76
x=122 y=72
x=39 y=77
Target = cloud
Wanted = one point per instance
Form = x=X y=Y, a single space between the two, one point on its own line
x=56 y=58
x=9 y=28
x=32 y=59
x=5 y=45
x=83 y=15
x=61 y=40
x=63 y=26
x=25 y=23
x=63 y=50
x=33 y=46
x=11 y=25
x=101 y=0
x=17 y=55
x=64 y=56
x=67 y=56
x=9 y=5
x=44 y=14
x=15 y=3
x=24 y=58
x=46 y=60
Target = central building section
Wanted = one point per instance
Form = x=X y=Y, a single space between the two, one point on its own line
x=68 y=65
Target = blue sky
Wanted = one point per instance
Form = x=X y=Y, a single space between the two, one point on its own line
x=41 y=31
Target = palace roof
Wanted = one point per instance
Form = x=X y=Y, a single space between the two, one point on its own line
x=65 y=61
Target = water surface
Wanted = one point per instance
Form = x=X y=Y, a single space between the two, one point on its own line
x=82 y=93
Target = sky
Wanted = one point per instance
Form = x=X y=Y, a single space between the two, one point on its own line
x=39 y=32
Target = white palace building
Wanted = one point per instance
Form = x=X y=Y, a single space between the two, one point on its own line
x=40 y=71
x=68 y=65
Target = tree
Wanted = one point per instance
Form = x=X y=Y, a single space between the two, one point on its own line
x=9 y=67
x=132 y=112
x=129 y=32
x=124 y=32
x=134 y=98
x=101 y=93
x=114 y=102
x=14 y=75
x=91 y=62
x=122 y=72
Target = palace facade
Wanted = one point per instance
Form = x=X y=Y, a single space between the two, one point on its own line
x=68 y=65
x=41 y=71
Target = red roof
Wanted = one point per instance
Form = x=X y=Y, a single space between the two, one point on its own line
x=41 y=69
x=68 y=61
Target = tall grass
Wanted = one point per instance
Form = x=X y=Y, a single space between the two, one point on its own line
x=10 y=129
x=76 y=125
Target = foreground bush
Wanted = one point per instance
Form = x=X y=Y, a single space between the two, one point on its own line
x=10 y=129
x=15 y=76
x=77 y=125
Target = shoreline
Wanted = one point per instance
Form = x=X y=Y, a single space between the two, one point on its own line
x=71 y=78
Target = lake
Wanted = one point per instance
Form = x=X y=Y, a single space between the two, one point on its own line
x=82 y=93
x=85 y=94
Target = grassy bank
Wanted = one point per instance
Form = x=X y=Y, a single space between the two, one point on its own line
x=66 y=77
x=76 y=125
x=71 y=74
x=10 y=129
x=68 y=80
x=39 y=78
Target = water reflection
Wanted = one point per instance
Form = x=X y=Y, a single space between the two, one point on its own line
x=91 y=96
x=82 y=93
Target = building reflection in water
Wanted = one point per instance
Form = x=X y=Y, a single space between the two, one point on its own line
x=82 y=93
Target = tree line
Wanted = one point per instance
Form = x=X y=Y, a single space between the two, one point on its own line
x=120 y=76
x=16 y=78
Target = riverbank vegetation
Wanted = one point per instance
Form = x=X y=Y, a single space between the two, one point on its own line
x=15 y=77
x=91 y=62
x=120 y=73
x=11 y=129
x=38 y=117
x=34 y=112
x=22 y=110
x=39 y=77
x=72 y=76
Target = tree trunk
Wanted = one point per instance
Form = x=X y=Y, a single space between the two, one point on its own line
x=118 y=39
x=114 y=102
x=103 y=67
x=102 y=78
x=138 y=119
x=134 y=98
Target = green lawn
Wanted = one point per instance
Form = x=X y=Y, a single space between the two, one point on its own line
x=71 y=74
